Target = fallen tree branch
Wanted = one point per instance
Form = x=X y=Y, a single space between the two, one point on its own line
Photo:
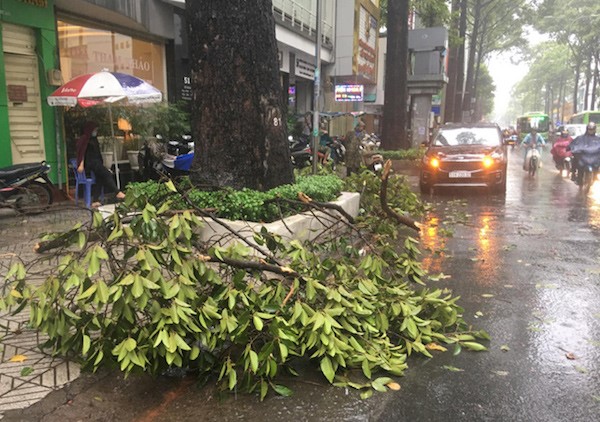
x=407 y=221
x=315 y=205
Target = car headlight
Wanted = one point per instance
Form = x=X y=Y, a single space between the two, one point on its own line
x=434 y=162
x=488 y=162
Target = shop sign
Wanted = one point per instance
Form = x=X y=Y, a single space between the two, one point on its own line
x=305 y=69
x=367 y=46
x=17 y=93
x=349 y=92
x=38 y=3
x=186 y=90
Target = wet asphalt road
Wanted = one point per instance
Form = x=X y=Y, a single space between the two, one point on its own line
x=527 y=268
x=536 y=251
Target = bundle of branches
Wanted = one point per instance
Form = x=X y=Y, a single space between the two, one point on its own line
x=145 y=294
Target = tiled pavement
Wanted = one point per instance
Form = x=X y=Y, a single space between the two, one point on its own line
x=23 y=383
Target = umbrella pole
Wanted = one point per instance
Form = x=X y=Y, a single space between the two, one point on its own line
x=112 y=134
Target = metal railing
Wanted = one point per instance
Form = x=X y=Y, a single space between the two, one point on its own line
x=302 y=19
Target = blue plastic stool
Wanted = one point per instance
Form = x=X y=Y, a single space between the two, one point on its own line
x=82 y=180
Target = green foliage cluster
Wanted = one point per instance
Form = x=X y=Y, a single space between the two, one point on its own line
x=244 y=204
x=400 y=198
x=404 y=154
x=146 y=295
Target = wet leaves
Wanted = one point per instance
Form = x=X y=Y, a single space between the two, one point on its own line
x=435 y=346
x=393 y=386
x=504 y=348
x=509 y=247
x=438 y=277
x=570 y=356
x=452 y=368
x=581 y=369
x=478 y=314
x=28 y=370
x=501 y=373
x=487 y=295
x=18 y=358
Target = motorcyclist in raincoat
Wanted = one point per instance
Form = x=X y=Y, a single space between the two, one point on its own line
x=586 y=151
x=559 y=149
x=532 y=140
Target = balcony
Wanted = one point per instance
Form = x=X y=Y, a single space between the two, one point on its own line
x=301 y=20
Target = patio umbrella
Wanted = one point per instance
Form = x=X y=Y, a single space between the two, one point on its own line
x=105 y=87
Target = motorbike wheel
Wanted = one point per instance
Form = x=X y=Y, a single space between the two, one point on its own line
x=34 y=197
x=533 y=164
x=588 y=179
x=567 y=167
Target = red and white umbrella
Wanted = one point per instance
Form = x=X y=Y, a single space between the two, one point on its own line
x=105 y=87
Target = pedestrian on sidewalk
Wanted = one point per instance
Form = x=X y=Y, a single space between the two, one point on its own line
x=89 y=158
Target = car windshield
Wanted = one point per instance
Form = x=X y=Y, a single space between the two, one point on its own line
x=487 y=136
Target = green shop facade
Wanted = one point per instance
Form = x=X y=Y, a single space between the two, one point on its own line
x=28 y=74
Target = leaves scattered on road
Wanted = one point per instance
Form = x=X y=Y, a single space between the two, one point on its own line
x=18 y=358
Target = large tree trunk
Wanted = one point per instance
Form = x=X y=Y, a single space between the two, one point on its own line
x=451 y=88
x=237 y=111
x=460 y=67
x=396 y=76
x=467 y=101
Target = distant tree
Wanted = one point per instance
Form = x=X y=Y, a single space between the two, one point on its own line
x=237 y=111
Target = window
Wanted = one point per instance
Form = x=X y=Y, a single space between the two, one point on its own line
x=87 y=50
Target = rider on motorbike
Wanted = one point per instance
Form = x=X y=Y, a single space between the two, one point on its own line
x=585 y=150
x=532 y=140
x=559 y=149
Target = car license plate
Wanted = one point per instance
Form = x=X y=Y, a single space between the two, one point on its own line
x=459 y=174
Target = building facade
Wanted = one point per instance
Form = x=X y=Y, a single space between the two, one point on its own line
x=28 y=65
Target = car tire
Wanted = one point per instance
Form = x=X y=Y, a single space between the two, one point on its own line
x=501 y=187
x=425 y=188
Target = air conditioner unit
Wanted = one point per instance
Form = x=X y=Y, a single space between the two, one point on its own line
x=55 y=77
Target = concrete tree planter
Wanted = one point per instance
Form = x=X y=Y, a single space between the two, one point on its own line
x=304 y=226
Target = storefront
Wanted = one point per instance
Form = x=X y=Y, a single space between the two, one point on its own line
x=27 y=68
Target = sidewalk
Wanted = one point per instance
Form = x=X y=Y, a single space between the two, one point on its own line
x=32 y=374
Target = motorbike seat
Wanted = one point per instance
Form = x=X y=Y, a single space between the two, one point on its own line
x=18 y=171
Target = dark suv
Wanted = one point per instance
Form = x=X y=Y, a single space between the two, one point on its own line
x=465 y=155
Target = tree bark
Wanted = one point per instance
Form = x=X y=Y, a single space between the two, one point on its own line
x=460 y=67
x=396 y=76
x=451 y=88
x=467 y=103
x=237 y=111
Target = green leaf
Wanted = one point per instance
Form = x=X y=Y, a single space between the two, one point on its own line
x=471 y=345
x=366 y=369
x=170 y=186
x=26 y=371
x=232 y=378
x=282 y=390
x=86 y=344
x=366 y=394
x=253 y=361
x=452 y=368
x=130 y=344
x=257 y=323
x=327 y=369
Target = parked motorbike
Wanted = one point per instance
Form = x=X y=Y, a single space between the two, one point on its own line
x=150 y=159
x=178 y=159
x=368 y=147
x=26 y=187
x=300 y=151
x=338 y=150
